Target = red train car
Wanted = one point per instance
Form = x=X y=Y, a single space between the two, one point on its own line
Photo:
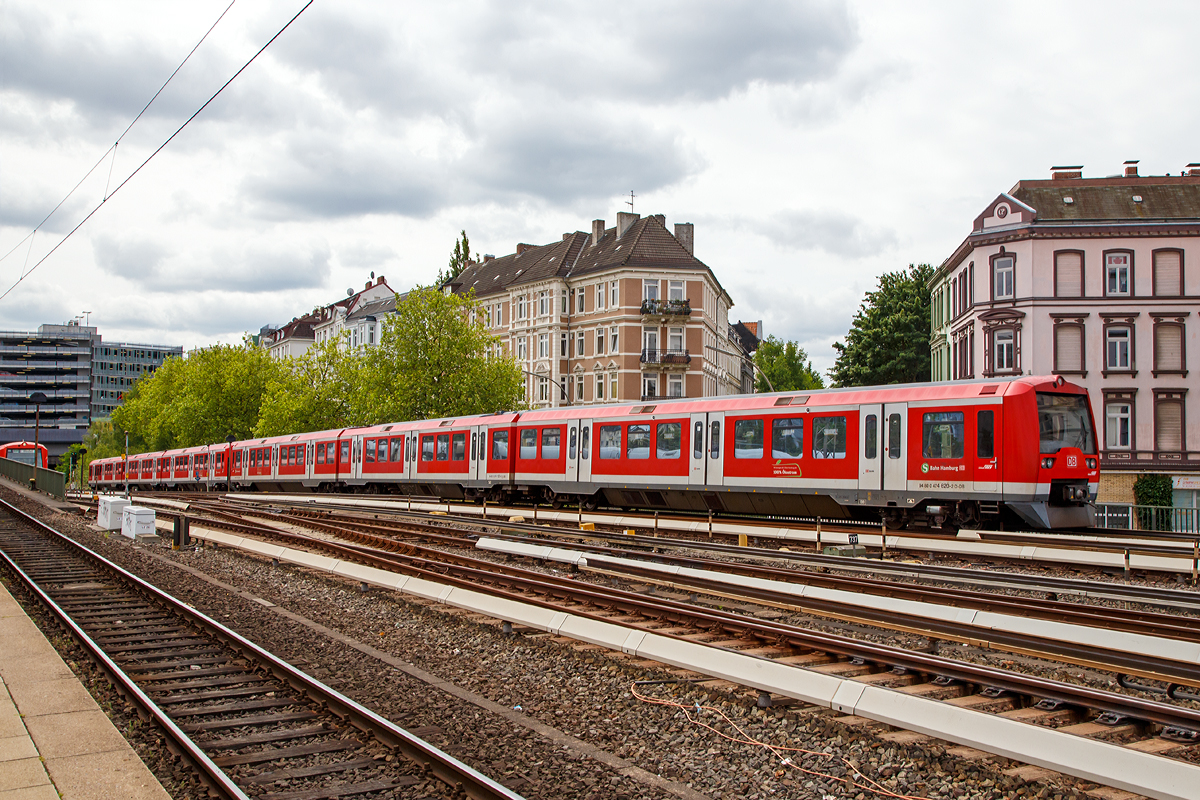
x=947 y=455
x=26 y=453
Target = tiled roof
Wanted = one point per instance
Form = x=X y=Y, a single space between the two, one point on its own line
x=1163 y=198
x=374 y=308
x=646 y=244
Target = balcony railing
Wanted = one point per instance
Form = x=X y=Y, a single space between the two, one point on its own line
x=666 y=357
x=647 y=398
x=667 y=308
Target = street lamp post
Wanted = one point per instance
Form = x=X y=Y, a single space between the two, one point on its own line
x=37 y=398
x=126 y=465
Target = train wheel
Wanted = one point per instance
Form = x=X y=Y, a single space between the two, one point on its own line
x=895 y=519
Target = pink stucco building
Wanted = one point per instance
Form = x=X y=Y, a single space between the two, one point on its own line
x=1097 y=280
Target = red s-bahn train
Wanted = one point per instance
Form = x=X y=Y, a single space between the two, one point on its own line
x=27 y=453
x=946 y=455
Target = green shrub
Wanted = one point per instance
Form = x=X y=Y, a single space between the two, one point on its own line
x=1153 y=490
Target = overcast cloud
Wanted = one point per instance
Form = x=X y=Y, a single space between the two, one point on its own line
x=815 y=145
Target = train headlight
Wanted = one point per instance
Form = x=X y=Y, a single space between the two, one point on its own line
x=1091 y=463
x=1047 y=463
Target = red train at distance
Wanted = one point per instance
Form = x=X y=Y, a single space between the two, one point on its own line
x=27 y=453
x=944 y=455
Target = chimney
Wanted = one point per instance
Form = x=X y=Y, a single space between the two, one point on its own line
x=1193 y=169
x=685 y=232
x=660 y=218
x=488 y=257
x=521 y=248
x=1066 y=173
x=368 y=286
x=379 y=281
x=625 y=220
x=597 y=231
x=1131 y=169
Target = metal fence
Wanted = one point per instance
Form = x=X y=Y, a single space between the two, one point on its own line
x=1148 y=518
x=48 y=480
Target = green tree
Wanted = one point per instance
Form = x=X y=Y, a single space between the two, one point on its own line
x=1154 y=492
x=432 y=361
x=786 y=365
x=458 y=260
x=888 y=341
x=311 y=393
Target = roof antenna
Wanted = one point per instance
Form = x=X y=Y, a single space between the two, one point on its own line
x=629 y=202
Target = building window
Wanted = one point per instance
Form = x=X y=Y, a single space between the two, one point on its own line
x=579 y=295
x=565 y=309
x=675 y=339
x=1168 y=273
x=543 y=345
x=675 y=291
x=1117 y=348
x=563 y=346
x=615 y=335
x=1068 y=348
x=612 y=386
x=521 y=306
x=1168 y=348
x=1003 y=279
x=543 y=390
x=521 y=355
x=649 y=290
x=1168 y=421
x=675 y=386
x=650 y=340
x=1118 y=427
x=1004 y=351
x=614 y=294
x=599 y=341
x=599 y=296
x=1118 y=277
x=599 y=386
x=1068 y=274
x=579 y=343
x=649 y=386
x=543 y=304
x=579 y=387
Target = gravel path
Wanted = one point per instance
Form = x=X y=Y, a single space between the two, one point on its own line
x=548 y=720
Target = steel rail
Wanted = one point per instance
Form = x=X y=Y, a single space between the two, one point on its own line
x=459 y=777
x=525 y=586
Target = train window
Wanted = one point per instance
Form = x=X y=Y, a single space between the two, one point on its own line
x=529 y=443
x=474 y=448
x=748 y=438
x=397 y=454
x=829 y=437
x=500 y=445
x=370 y=452
x=412 y=448
x=551 y=442
x=345 y=454
x=609 y=441
x=942 y=434
x=584 y=442
x=894 y=444
x=571 y=444
x=443 y=447
x=985 y=435
x=253 y=458
x=871 y=437
x=668 y=440
x=698 y=441
x=321 y=453
x=458 y=447
x=427 y=448
x=637 y=445
x=714 y=441
x=787 y=437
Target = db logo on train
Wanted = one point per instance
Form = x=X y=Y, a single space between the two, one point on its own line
x=1072 y=461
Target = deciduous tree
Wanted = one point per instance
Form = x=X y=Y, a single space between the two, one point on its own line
x=312 y=393
x=786 y=365
x=888 y=341
x=458 y=259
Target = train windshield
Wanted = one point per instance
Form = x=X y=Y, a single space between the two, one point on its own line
x=25 y=455
x=1063 y=421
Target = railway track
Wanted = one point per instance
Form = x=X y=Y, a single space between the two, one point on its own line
x=250 y=724
x=1143 y=725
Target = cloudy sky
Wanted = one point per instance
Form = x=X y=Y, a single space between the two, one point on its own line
x=814 y=145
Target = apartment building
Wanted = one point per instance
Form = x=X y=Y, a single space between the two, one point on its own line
x=116 y=366
x=1097 y=280
x=356 y=319
x=621 y=313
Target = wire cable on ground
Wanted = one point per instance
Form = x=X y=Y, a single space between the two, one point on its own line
x=119 y=138
x=158 y=150
x=854 y=780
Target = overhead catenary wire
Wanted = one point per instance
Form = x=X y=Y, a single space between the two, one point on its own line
x=113 y=147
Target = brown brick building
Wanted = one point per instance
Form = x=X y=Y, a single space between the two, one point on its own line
x=622 y=313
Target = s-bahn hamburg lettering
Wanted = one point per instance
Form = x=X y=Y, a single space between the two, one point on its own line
x=946 y=455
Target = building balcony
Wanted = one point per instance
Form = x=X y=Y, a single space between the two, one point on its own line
x=666 y=358
x=666 y=309
x=650 y=398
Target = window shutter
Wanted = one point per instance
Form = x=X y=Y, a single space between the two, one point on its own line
x=1166 y=273
x=1068 y=269
x=1068 y=348
x=1168 y=426
x=1168 y=347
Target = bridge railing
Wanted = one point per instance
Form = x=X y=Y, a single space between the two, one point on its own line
x=50 y=481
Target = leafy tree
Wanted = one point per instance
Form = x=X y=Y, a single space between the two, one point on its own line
x=786 y=365
x=311 y=393
x=458 y=260
x=1152 y=492
x=432 y=361
x=888 y=341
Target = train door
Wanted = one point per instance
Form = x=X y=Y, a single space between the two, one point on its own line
x=715 y=441
x=698 y=452
x=585 y=453
x=573 y=459
x=895 y=441
x=870 y=460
